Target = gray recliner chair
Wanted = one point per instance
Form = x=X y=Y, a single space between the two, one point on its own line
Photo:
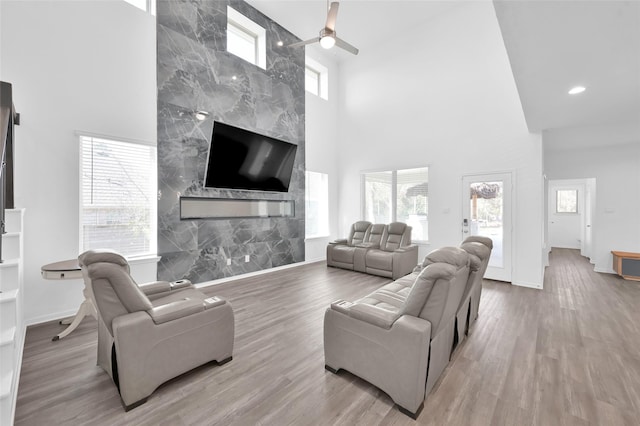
x=148 y=336
x=340 y=253
x=396 y=256
x=399 y=338
x=476 y=290
x=479 y=257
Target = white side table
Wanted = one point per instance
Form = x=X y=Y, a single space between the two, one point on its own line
x=68 y=270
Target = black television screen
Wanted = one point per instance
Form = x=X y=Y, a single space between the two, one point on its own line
x=241 y=159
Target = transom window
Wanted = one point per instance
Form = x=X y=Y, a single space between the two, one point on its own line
x=567 y=201
x=398 y=196
x=118 y=196
x=312 y=81
x=316 y=78
x=245 y=38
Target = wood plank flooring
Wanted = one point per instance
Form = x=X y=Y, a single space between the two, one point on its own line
x=567 y=355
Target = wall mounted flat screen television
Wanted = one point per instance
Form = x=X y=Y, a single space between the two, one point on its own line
x=241 y=159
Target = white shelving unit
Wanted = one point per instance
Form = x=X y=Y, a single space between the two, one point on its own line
x=12 y=327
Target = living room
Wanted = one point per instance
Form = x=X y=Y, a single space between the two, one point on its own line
x=442 y=94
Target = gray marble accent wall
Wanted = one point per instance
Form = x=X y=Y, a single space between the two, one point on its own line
x=195 y=72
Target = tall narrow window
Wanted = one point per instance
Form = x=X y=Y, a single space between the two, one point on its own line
x=317 y=204
x=118 y=196
x=312 y=81
x=378 y=197
x=245 y=38
x=398 y=195
x=316 y=79
x=412 y=201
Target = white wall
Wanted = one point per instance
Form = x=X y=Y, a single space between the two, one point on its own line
x=86 y=66
x=321 y=133
x=443 y=95
x=616 y=169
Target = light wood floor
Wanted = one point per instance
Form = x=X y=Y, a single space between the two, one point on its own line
x=567 y=355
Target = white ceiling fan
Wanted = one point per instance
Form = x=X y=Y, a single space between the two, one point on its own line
x=327 y=37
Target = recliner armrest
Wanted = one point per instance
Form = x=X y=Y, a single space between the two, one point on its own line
x=406 y=249
x=155 y=287
x=340 y=241
x=174 y=310
x=367 y=313
x=180 y=284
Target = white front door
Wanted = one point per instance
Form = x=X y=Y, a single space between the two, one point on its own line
x=486 y=211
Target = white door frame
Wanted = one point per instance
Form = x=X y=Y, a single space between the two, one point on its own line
x=508 y=177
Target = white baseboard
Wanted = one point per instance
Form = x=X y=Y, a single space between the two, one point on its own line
x=603 y=270
x=537 y=286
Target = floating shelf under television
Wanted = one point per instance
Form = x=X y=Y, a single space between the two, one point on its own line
x=192 y=208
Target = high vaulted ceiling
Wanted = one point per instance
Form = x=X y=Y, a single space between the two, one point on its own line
x=552 y=46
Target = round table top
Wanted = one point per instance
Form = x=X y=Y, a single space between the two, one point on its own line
x=65 y=265
x=64 y=270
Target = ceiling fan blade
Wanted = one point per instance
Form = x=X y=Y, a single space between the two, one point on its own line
x=346 y=46
x=332 y=15
x=302 y=43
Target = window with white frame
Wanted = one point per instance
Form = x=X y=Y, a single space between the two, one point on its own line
x=246 y=39
x=316 y=78
x=118 y=196
x=567 y=201
x=316 y=204
x=312 y=81
x=146 y=5
x=398 y=196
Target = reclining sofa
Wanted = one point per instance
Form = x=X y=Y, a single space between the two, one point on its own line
x=400 y=337
x=376 y=249
x=143 y=330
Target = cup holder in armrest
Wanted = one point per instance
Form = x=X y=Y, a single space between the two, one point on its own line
x=341 y=306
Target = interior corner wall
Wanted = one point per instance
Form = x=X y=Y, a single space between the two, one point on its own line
x=616 y=169
x=74 y=66
x=443 y=95
x=195 y=72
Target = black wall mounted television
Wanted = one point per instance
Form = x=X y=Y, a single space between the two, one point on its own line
x=241 y=159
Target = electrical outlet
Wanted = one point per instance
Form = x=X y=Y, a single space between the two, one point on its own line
x=228 y=262
x=246 y=258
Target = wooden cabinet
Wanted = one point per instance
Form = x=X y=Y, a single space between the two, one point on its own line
x=627 y=265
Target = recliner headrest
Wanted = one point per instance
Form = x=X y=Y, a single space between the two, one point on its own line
x=478 y=239
x=424 y=283
x=102 y=255
x=451 y=255
x=396 y=228
x=377 y=229
x=361 y=226
x=477 y=250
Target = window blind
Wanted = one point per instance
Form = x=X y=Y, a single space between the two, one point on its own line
x=117 y=196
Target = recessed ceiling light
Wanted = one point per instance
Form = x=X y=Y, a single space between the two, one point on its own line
x=280 y=43
x=576 y=90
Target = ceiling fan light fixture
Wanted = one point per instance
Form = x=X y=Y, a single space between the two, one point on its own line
x=327 y=42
